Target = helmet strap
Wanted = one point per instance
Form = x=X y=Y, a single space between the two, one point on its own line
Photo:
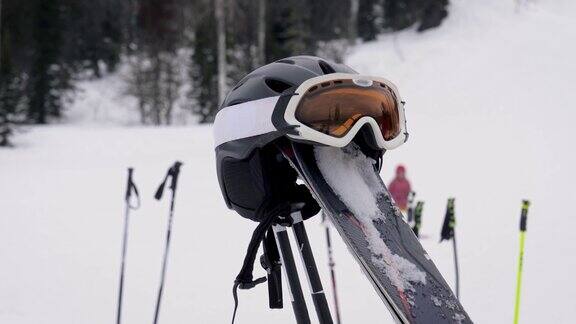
x=269 y=211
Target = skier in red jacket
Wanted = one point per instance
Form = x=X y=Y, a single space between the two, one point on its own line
x=400 y=188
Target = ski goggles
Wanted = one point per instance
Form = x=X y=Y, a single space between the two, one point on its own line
x=328 y=110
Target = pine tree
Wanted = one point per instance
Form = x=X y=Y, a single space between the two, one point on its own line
x=14 y=61
x=220 y=17
x=49 y=78
x=246 y=37
x=330 y=19
x=289 y=31
x=0 y=33
x=93 y=34
x=12 y=111
x=155 y=78
x=433 y=14
x=261 y=35
x=330 y=28
x=203 y=73
x=400 y=14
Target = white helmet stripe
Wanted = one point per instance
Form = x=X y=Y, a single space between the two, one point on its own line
x=244 y=120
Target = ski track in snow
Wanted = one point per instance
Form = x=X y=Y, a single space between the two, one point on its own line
x=359 y=189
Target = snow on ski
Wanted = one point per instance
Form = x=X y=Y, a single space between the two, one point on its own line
x=374 y=231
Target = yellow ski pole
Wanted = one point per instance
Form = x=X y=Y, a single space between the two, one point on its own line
x=523 y=221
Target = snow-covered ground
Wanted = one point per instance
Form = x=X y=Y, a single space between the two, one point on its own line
x=490 y=98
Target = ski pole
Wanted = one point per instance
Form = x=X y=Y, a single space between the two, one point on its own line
x=331 y=264
x=287 y=258
x=307 y=257
x=411 y=210
x=173 y=173
x=523 y=223
x=418 y=218
x=130 y=188
x=448 y=233
x=456 y=268
x=454 y=246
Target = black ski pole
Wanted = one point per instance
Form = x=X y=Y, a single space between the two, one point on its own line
x=448 y=233
x=315 y=284
x=294 y=287
x=332 y=265
x=173 y=173
x=411 y=211
x=130 y=188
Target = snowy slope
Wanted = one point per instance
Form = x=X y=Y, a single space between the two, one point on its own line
x=104 y=102
x=489 y=102
x=107 y=101
x=490 y=107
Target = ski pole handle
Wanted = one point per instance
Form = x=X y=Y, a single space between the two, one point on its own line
x=449 y=221
x=524 y=215
x=172 y=173
x=129 y=184
x=175 y=173
x=452 y=223
x=418 y=218
x=131 y=188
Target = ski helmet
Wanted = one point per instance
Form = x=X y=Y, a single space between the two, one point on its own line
x=250 y=169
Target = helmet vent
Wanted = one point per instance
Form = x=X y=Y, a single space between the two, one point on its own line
x=277 y=85
x=326 y=68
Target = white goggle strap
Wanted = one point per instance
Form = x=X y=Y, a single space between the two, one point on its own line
x=244 y=120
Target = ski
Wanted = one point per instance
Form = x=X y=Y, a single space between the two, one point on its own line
x=399 y=268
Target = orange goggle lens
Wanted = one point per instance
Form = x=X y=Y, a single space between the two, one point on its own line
x=334 y=107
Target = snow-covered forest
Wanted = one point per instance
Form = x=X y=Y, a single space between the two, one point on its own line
x=89 y=88
x=176 y=58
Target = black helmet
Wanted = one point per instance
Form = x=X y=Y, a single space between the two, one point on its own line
x=249 y=170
